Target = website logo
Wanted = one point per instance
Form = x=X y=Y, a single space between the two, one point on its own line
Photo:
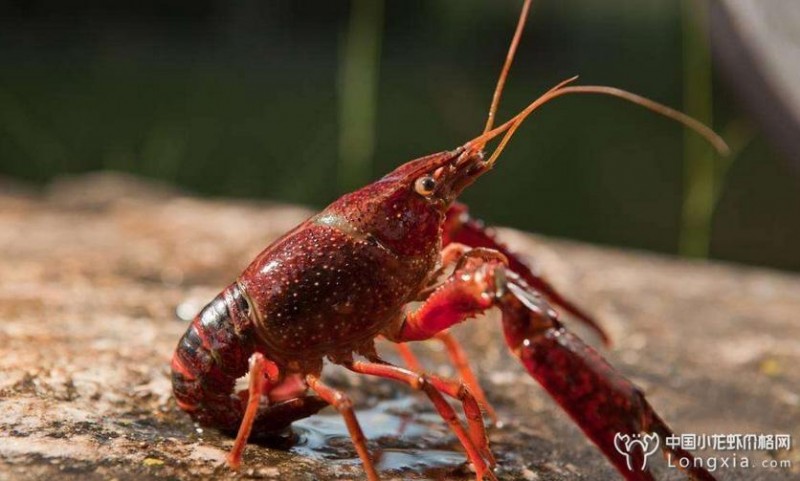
x=627 y=444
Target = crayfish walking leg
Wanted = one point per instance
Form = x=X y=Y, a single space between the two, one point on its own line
x=342 y=403
x=475 y=442
x=459 y=359
x=600 y=400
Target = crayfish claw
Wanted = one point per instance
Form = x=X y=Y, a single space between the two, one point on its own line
x=580 y=380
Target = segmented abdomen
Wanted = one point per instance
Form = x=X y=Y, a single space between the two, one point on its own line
x=210 y=356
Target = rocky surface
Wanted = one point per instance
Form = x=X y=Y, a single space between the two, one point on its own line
x=98 y=271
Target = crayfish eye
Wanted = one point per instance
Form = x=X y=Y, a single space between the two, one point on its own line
x=425 y=185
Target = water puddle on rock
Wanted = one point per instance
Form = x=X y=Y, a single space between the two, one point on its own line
x=407 y=440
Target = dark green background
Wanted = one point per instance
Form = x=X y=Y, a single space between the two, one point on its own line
x=240 y=99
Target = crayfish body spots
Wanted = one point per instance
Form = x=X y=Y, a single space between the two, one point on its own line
x=331 y=285
x=407 y=223
x=324 y=289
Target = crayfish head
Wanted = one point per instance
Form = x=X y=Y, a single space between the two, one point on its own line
x=439 y=179
x=406 y=208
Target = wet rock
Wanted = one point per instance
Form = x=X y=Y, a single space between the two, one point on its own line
x=96 y=271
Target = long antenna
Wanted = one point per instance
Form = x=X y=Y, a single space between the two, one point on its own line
x=512 y=50
x=563 y=89
x=478 y=142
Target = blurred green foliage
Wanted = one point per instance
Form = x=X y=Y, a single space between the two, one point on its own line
x=241 y=99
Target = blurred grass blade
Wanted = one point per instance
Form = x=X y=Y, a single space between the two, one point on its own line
x=700 y=172
x=358 y=86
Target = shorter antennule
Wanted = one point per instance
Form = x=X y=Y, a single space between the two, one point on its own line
x=479 y=142
x=564 y=89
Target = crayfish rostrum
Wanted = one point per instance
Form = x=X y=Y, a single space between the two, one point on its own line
x=335 y=283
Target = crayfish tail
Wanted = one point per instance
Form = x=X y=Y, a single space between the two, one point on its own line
x=209 y=358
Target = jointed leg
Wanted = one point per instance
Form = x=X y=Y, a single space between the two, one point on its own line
x=463 y=392
x=469 y=291
x=259 y=384
x=451 y=254
x=272 y=416
x=430 y=386
x=477 y=431
x=342 y=403
x=459 y=359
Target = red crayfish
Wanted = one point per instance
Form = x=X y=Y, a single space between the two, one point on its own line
x=332 y=285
